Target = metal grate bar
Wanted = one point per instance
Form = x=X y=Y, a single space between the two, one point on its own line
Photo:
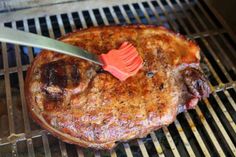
x=49 y=25
x=142 y=147
x=14 y=150
x=123 y=12
x=172 y=23
x=230 y=98
x=206 y=33
x=145 y=13
x=177 y=16
x=157 y=145
x=127 y=149
x=30 y=52
x=12 y=69
x=113 y=14
x=170 y=141
x=227 y=61
x=196 y=134
x=113 y=153
x=94 y=21
x=79 y=152
x=105 y=20
x=229 y=47
x=84 y=25
x=59 y=20
x=71 y=21
x=225 y=112
x=135 y=13
x=184 y=138
x=18 y=137
x=46 y=145
x=213 y=72
x=37 y=26
x=8 y=87
x=155 y=12
x=63 y=149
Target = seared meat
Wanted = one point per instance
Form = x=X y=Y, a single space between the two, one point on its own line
x=80 y=103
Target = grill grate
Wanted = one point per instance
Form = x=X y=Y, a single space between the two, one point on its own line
x=207 y=131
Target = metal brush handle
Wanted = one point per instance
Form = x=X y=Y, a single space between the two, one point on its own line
x=28 y=39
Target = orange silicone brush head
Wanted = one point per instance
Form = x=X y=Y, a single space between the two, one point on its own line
x=123 y=62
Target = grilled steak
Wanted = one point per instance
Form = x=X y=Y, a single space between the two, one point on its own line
x=80 y=103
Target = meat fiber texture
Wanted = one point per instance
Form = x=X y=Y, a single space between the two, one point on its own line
x=79 y=103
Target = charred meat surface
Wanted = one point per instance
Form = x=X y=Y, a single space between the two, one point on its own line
x=80 y=103
x=196 y=82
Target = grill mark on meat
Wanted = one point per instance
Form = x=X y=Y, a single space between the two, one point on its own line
x=54 y=74
x=54 y=78
x=58 y=75
x=75 y=75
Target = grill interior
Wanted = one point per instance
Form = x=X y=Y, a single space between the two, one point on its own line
x=207 y=131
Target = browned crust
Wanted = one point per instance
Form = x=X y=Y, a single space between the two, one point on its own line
x=29 y=98
x=129 y=26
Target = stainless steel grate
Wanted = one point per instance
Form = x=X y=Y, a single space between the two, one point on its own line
x=207 y=131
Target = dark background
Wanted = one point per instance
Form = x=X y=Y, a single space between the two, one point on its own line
x=227 y=9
